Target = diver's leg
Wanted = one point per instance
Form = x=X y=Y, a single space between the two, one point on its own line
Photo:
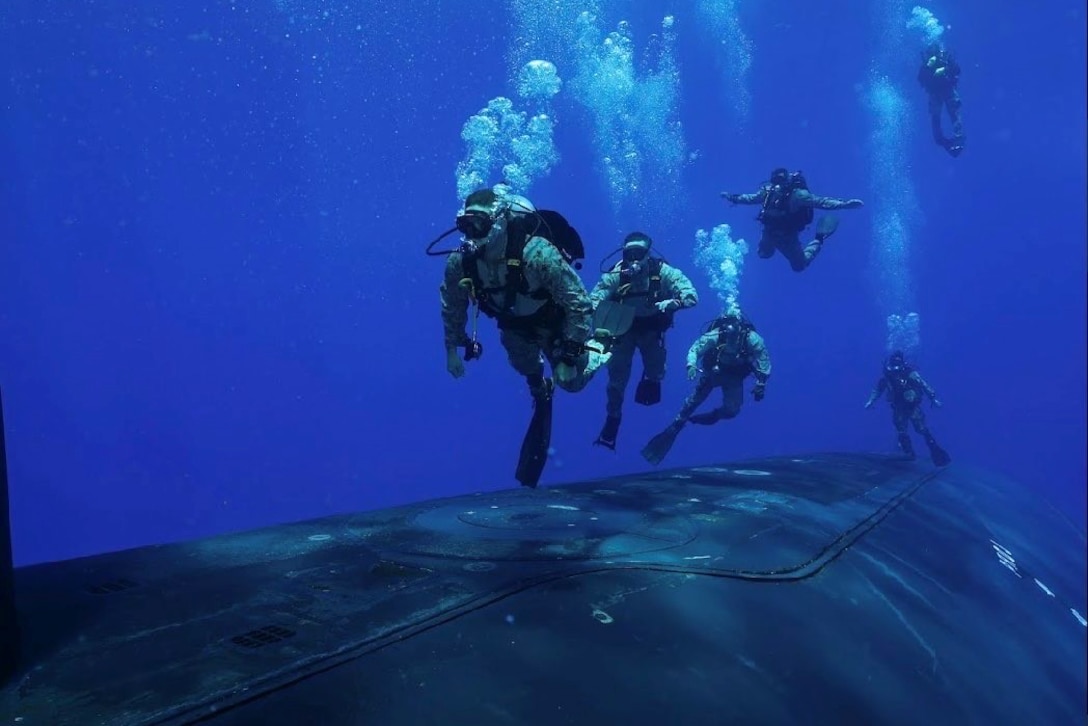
x=524 y=352
x=791 y=249
x=954 y=106
x=935 y=103
x=900 y=417
x=767 y=245
x=588 y=363
x=939 y=456
x=651 y=346
x=703 y=388
x=619 y=373
x=732 y=397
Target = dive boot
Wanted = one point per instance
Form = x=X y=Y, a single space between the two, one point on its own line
x=607 y=437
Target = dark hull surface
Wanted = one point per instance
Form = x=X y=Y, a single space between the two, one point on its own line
x=826 y=588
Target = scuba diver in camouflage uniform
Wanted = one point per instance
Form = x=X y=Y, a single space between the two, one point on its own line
x=517 y=265
x=787 y=209
x=722 y=357
x=906 y=389
x=635 y=302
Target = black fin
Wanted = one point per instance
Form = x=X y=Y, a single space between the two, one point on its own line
x=614 y=317
x=534 y=447
x=659 y=446
x=648 y=392
x=940 y=456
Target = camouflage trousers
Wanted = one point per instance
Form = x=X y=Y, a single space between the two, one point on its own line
x=650 y=344
x=732 y=388
x=789 y=245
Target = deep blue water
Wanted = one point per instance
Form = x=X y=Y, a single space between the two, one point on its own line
x=215 y=311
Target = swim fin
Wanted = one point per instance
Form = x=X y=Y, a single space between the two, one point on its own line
x=940 y=456
x=614 y=317
x=826 y=226
x=658 y=447
x=648 y=392
x=537 y=441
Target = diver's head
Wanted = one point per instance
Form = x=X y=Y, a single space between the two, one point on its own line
x=477 y=218
x=896 y=363
x=731 y=329
x=780 y=176
x=636 y=246
x=486 y=211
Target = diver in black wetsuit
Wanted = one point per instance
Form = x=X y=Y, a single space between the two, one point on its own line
x=939 y=75
x=786 y=210
x=906 y=388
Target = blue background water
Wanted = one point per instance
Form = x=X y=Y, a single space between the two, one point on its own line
x=215 y=312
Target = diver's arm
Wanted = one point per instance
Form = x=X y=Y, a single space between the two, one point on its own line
x=604 y=289
x=678 y=287
x=926 y=388
x=878 y=391
x=756 y=198
x=759 y=358
x=805 y=198
x=455 y=300
x=546 y=269
x=702 y=344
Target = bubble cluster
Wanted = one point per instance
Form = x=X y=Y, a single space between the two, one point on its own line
x=517 y=145
x=722 y=258
x=926 y=24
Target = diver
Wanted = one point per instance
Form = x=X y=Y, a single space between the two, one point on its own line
x=517 y=265
x=939 y=75
x=722 y=357
x=635 y=302
x=906 y=388
x=787 y=209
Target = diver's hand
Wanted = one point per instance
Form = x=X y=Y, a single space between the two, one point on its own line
x=937 y=403
x=759 y=391
x=854 y=203
x=668 y=306
x=869 y=403
x=565 y=372
x=729 y=197
x=454 y=364
x=692 y=372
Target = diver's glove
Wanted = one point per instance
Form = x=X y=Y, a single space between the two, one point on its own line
x=854 y=203
x=668 y=306
x=869 y=403
x=693 y=371
x=729 y=197
x=937 y=403
x=570 y=352
x=759 y=391
x=454 y=364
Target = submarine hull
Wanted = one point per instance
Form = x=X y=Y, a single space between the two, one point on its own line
x=824 y=588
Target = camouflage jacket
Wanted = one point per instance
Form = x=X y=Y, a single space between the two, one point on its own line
x=675 y=285
x=754 y=354
x=544 y=269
